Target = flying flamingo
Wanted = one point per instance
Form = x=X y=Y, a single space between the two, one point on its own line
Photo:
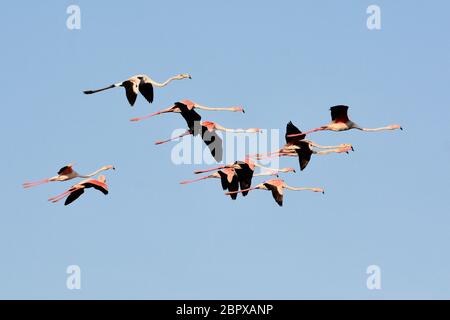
x=140 y=83
x=184 y=106
x=66 y=173
x=276 y=186
x=77 y=190
x=297 y=146
x=245 y=171
x=228 y=179
x=341 y=122
x=208 y=131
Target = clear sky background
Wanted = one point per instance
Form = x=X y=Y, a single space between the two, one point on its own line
x=385 y=204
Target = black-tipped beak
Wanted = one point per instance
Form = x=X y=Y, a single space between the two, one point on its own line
x=353 y=149
x=243 y=111
x=323 y=192
x=401 y=128
x=294 y=171
x=190 y=77
x=114 y=168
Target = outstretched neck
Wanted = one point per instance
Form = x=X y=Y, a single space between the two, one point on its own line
x=94 y=173
x=162 y=84
x=390 y=127
x=304 y=189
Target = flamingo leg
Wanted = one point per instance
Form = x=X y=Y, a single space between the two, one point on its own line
x=60 y=196
x=239 y=191
x=152 y=114
x=35 y=183
x=209 y=170
x=305 y=133
x=198 y=179
x=174 y=138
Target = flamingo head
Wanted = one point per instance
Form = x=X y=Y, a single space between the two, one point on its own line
x=183 y=76
x=287 y=170
x=238 y=109
x=395 y=126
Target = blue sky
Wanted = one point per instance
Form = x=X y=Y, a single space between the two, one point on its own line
x=151 y=238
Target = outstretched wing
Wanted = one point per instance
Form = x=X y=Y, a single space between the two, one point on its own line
x=292 y=129
x=339 y=114
x=131 y=90
x=100 y=186
x=234 y=186
x=65 y=170
x=74 y=196
x=146 y=89
x=277 y=194
x=245 y=175
x=190 y=115
x=214 y=143
x=304 y=154
x=223 y=179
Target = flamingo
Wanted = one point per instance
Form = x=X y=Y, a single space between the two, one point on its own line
x=276 y=186
x=341 y=122
x=66 y=173
x=140 y=83
x=297 y=146
x=207 y=130
x=184 y=106
x=229 y=179
x=245 y=171
x=77 y=190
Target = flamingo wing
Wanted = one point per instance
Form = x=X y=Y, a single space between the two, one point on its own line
x=100 y=186
x=214 y=143
x=73 y=196
x=245 y=175
x=146 y=89
x=304 y=154
x=277 y=193
x=232 y=185
x=65 y=170
x=339 y=113
x=223 y=179
x=131 y=90
x=190 y=115
x=292 y=129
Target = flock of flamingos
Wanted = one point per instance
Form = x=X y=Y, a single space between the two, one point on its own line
x=235 y=177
